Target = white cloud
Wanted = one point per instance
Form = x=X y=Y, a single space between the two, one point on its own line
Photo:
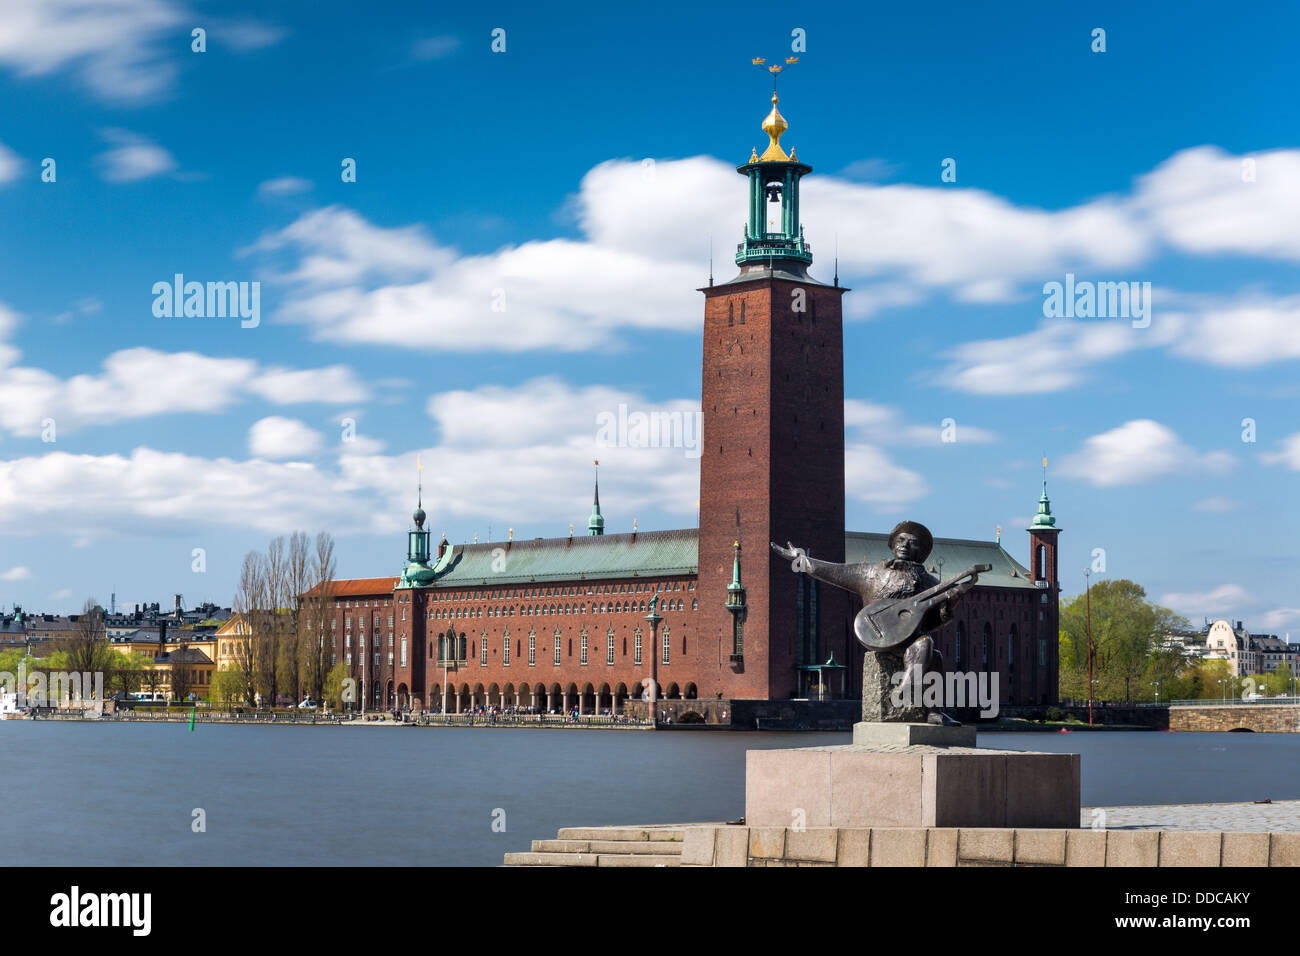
x=1279 y=619
x=351 y=280
x=1287 y=454
x=116 y=47
x=884 y=425
x=120 y=50
x=142 y=382
x=1224 y=599
x=334 y=384
x=1199 y=201
x=10 y=164
x=1251 y=329
x=434 y=48
x=283 y=186
x=275 y=437
x=133 y=157
x=870 y=476
x=1215 y=505
x=1137 y=452
x=152 y=491
x=18 y=573
x=244 y=36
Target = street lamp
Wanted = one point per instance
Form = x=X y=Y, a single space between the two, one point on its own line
x=1087 y=591
x=1156 y=685
x=654 y=618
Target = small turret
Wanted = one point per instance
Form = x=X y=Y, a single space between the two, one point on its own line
x=596 y=523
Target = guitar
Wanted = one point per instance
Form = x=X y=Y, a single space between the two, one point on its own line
x=885 y=624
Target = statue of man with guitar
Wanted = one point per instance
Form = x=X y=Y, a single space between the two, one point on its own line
x=903 y=604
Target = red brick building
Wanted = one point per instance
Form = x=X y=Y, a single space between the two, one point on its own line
x=561 y=623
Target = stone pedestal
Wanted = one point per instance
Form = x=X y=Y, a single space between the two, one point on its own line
x=875 y=733
x=878 y=670
x=910 y=785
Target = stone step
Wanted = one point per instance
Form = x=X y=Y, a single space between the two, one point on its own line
x=551 y=859
x=593 y=859
x=660 y=847
x=638 y=859
x=634 y=834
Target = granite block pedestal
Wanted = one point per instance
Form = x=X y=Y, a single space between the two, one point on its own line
x=900 y=775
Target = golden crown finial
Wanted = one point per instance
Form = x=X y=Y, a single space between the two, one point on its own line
x=774 y=125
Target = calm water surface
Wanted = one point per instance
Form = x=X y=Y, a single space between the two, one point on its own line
x=104 y=794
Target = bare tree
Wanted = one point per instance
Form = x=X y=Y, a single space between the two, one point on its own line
x=315 y=636
x=181 y=675
x=297 y=571
x=250 y=607
x=87 y=647
x=271 y=635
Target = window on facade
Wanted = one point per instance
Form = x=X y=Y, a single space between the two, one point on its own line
x=482 y=651
x=636 y=646
x=609 y=647
x=505 y=649
x=532 y=650
x=583 y=658
x=667 y=647
x=557 y=648
x=403 y=652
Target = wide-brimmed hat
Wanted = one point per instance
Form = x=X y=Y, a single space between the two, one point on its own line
x=921 y=532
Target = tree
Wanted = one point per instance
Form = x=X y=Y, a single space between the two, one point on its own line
x=315 y=612
x=87 y=647
x=182 y=676
x=128 y=673
x=334 y=684
x=229 y=686
x=249 y=606
x=1127 y=636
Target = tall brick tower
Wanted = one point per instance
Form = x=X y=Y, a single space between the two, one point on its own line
x=772 y=459
x=1044 y=570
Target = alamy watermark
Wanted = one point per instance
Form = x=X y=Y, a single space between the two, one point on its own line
x=955 y=689
x=656 y=429
x=49 y=688
x=211 y=300
x=1085 y=299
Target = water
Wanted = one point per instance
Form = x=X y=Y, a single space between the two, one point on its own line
x=123 y=794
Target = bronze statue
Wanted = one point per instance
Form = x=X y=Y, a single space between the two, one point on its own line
x=902 y=604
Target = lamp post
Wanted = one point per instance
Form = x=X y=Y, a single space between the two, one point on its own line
x=1087 y=592
x=1156 y=685
x=654 y=618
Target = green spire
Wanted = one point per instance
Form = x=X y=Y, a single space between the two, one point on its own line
x=1044 y=520
x=596 y=523
x=735 y=590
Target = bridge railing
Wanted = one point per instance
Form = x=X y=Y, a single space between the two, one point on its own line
x=1232 y=702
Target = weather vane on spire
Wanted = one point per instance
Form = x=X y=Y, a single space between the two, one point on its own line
x=775 y=68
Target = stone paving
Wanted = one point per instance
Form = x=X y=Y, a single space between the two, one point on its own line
x=1277 y=816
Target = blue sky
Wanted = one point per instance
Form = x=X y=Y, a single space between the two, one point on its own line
x=583 y=174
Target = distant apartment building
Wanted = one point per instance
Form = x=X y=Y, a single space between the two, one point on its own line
x=1249 y=653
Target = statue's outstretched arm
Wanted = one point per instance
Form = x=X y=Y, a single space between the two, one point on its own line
x=845 y=576
x=841 y=575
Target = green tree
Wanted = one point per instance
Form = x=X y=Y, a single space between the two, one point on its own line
x=1127 y=631
x=334 y=685
x=228 y=686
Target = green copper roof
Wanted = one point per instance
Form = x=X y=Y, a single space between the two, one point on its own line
x=1044 y=519
x=957 y=554
x=564 y=559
